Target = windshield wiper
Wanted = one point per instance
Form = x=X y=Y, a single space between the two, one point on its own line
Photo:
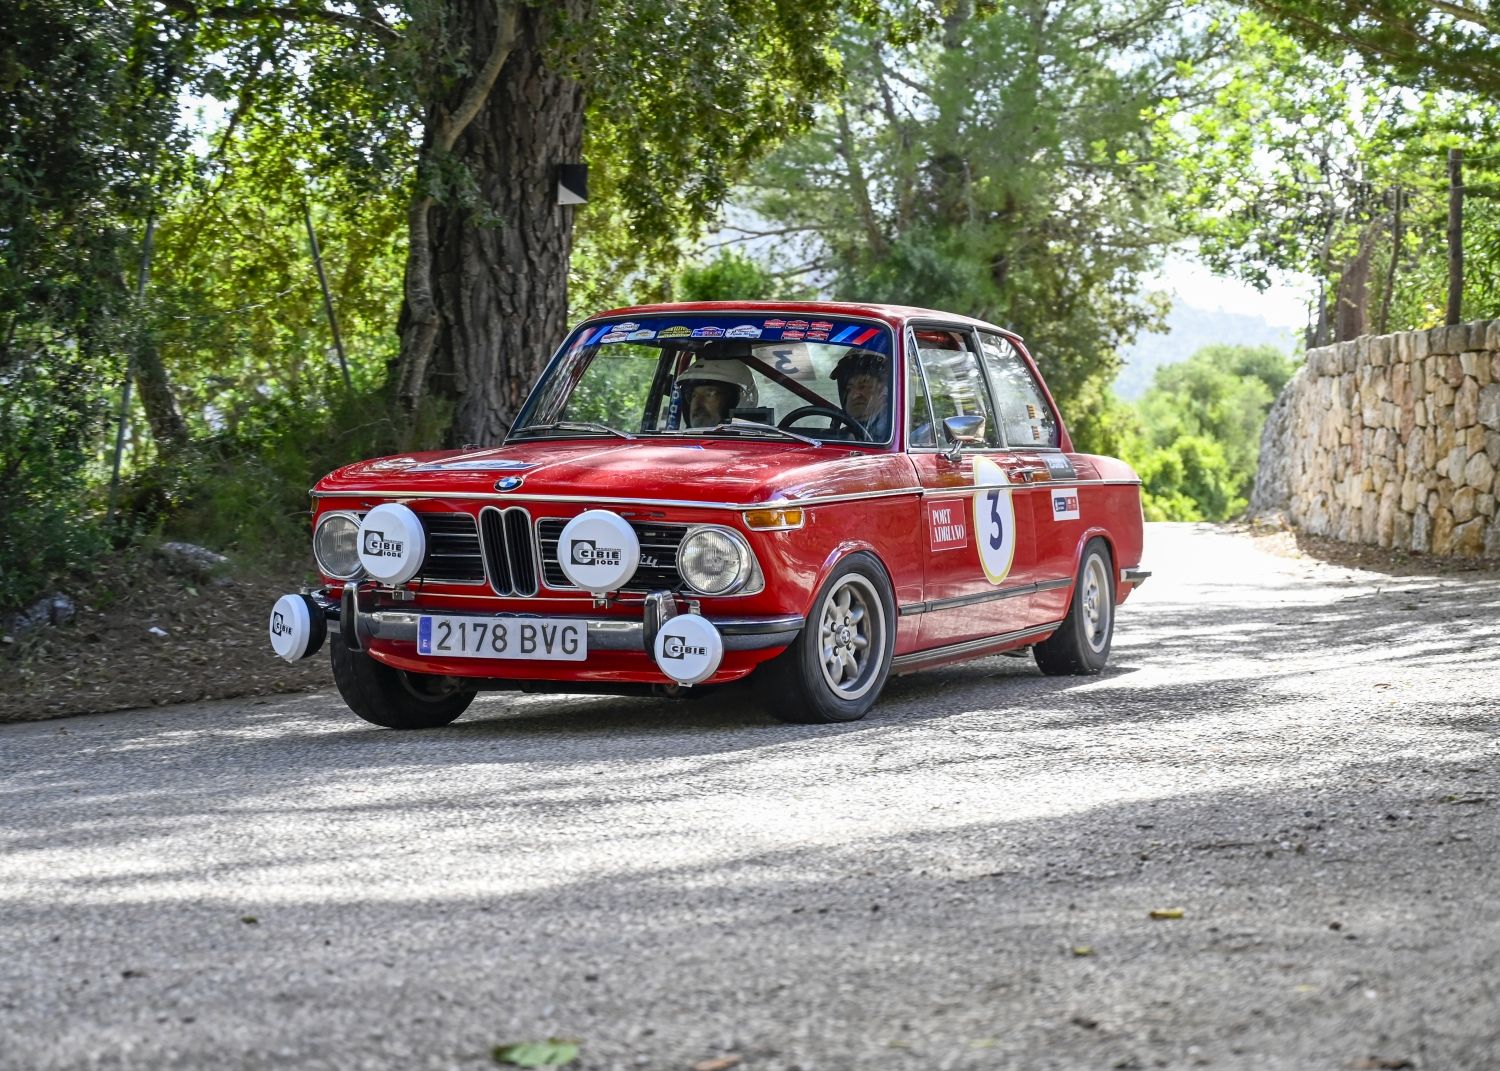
x=573 y=425
x=755 y=425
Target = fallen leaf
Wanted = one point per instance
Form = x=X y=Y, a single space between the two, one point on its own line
x=554 y=1052
x=250 y=920
x=1083 y=950
x=719 y=1063
x=1167 y=913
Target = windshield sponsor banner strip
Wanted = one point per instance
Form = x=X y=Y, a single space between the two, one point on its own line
x=966 y=492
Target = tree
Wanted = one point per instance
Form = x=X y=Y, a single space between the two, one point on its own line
x=1201 y=422
x=87 y=120
x=1426 y=44
x=668 y=100
x=1000 y=166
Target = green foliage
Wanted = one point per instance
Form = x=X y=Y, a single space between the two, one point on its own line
x=732 y=276
x=1296 y=160
x=87 y=108
x=1426 y=44
x=1001 y=165
x=1200 y=425
x=554 y=1052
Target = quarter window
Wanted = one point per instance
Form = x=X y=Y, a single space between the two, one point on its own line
x=1025 y=416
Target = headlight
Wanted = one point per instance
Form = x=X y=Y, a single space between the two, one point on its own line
x=714 y=561
x=336 y=545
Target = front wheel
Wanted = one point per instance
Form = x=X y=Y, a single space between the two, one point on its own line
x=1080 y=646
x=836 y=667
x=394 y=698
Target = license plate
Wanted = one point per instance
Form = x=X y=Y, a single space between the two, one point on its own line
x=531 y=638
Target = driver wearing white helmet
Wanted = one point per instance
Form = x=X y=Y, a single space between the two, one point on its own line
x=709 y=392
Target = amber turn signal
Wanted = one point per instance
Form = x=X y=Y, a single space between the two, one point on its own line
x=770 y=520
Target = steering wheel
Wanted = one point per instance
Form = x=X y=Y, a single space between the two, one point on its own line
x=838 y=416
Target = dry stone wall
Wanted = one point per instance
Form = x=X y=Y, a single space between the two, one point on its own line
x=1392 y=440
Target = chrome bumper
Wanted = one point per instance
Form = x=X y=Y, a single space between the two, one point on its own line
x=1136 y=577
x=356 y=625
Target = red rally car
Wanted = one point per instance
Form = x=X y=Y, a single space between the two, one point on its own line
x=817 y=494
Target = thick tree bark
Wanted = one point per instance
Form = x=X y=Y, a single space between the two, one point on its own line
x=486 y=300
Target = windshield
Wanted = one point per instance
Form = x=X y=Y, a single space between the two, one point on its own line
x=718 y=375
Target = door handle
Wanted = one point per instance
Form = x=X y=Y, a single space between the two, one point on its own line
x=1031 y=475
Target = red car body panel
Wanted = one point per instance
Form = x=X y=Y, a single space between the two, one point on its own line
x=886 y=500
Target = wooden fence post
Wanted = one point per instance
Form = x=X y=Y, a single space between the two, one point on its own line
x=1455 y=235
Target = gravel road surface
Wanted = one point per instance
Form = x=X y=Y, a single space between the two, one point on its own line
x=1302 y=759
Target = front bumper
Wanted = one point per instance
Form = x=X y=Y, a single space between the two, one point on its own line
x=356 y=625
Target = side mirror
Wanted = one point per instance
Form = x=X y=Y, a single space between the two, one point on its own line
x=961 y=431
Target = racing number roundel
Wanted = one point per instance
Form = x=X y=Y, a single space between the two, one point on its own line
x=994 y=520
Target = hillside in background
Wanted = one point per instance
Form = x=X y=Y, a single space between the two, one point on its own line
x=1189 y=329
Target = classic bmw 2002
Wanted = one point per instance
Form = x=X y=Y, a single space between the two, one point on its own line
x=814 y=495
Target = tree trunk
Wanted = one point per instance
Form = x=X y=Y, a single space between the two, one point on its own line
x=1352 y=314
x=497 y=288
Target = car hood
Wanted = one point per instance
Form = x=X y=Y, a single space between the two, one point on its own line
x=691 y=470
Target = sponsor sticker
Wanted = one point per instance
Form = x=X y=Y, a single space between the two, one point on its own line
x=646 y=333
x=708 y=332
x=613 y=338
x=1065 y=505
x=378 y=546
x=279 y=626
x=743 y=331
x=674 y=332
x=820 y=325
x=797 y=325
x=856 y=335
x=626 y=327
x=994 y=520
x=1060 y=467
x=817 y=335
x=775 y=324
x=947 y=525
x=589 y=552
x=793 y=334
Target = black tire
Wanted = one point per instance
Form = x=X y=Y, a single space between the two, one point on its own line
x=1080 y=646
x=813 y=683
x=394 y=698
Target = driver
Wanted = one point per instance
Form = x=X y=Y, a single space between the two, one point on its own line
x=864 y=393
x=710 y=391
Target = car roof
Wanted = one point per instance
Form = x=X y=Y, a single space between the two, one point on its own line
x=893 y=314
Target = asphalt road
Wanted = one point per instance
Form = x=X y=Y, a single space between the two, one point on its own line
x=1304 y=759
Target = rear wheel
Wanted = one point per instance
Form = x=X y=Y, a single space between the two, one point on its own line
x=1080 y=646
x=836 y=667
x=394 y=698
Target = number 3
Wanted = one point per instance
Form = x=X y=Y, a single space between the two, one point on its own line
x=999 y=536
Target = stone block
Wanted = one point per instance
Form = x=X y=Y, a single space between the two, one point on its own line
x=1466 y=403
x=1409 y=490
x=1421 y=342
x=1464 y=504
x=1492 y=335
x=1401 y=537
x=1421 y=531
x=1484 y=505
x=1444 y=393
x=1475 y=439
x=1469 y=361
x=1483 y=372
x=1442 y=532
x=1453 y=370
x=1468 y=539
x=1487 y=407
x=1479 y=473
x=1492 y=540
x=1349 y=355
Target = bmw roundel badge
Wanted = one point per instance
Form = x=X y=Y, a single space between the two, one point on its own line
x=507 y=483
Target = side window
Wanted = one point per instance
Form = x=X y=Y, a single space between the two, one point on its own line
x=954 y=379
x=1024 y=413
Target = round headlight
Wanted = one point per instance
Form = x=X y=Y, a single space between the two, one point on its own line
x=336 y=545
x=713 y=561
